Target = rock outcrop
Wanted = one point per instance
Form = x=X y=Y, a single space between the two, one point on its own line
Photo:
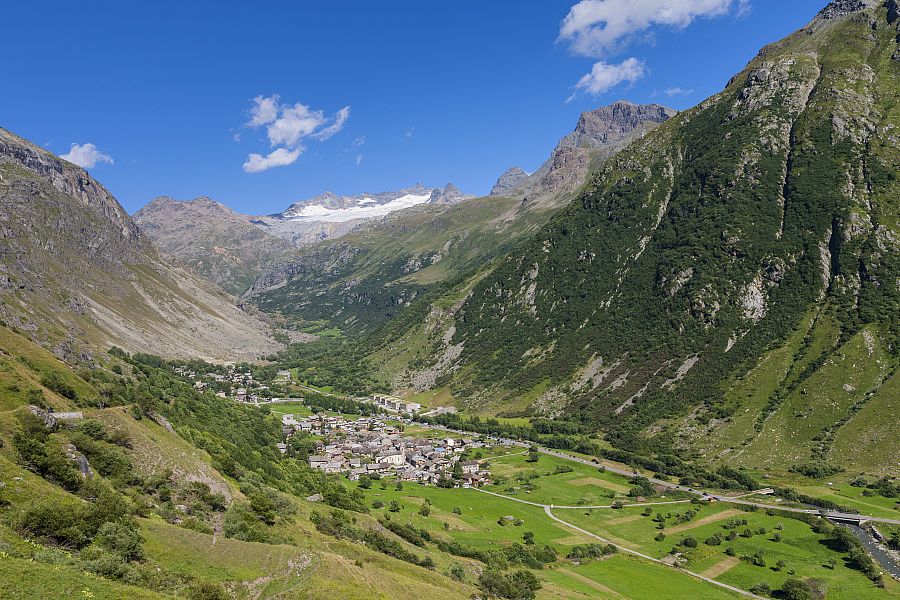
x=449 y=194
x=510 y=178
x=840 y=8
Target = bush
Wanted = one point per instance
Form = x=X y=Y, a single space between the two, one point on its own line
x=54 y=381
x=55 y=523
x=242 y=524
x=519 y=585
x=794 y=589
x=206 y=590
x=121 y=540
x=261 y=504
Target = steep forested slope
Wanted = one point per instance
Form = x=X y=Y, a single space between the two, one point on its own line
x=763 y=221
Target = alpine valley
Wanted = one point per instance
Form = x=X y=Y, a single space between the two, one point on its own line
x=663 y=364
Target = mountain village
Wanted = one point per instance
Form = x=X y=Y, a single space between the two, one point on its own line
x=369 y=446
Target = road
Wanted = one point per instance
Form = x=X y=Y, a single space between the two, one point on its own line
x=549 y=508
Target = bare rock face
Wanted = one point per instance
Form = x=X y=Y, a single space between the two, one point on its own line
x=68 y=179
x=840 y=8
x=600 y=133
x=509 y=180
x=613 y=123
x=214 y=240
x=449 y=194
x=77 y=274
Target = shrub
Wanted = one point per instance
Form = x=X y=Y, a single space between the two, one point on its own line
x=54 y=381
x=206 y=590
x=519 y=585
x=121 y=540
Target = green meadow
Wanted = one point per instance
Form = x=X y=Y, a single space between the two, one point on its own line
x=803 y=551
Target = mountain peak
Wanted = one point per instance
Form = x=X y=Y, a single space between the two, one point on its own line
x=510 y=178
x=840 y=8
x=449 y=194
x=68 y=179
x=612 y=123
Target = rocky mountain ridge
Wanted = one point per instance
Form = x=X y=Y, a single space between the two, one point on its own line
x=599 y=134
x=508 y=180
x=77 y=274
x=217 y=242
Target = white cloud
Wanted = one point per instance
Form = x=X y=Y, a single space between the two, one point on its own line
x=280 y=157
x=596 y=27
x=359 y=158
x=604 y=76
x=677 y=91
x=361 y=140
x=294 y=122
x=86 y=156
x=286 y=127
x=339 y=119
x=409 y=133
x=263 y=111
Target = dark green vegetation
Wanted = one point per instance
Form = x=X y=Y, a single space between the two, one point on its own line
x=725 y=286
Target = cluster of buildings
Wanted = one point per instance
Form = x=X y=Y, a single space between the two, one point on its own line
x=394 y=404
x=369 y=446
x=234 y=383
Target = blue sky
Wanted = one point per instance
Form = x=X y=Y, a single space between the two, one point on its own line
x=437 y=91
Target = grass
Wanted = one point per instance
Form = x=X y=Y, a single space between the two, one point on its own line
x=185 y=552
x=583 y=485
x=865 y=443
x=803 y=550
x=628 y=577
x=477 y=525
x=819 y=402
x=25 y=579
x=844 y=494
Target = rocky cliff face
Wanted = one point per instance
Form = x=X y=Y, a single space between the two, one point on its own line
x=77 y=275
x=612 y=124
x=840 y=8
x=510 y=178
x=218 y=243
x=599 y=134
x=69 y=180
x=449 y=194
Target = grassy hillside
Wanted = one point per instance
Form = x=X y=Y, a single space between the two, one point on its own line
x=196 y=528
